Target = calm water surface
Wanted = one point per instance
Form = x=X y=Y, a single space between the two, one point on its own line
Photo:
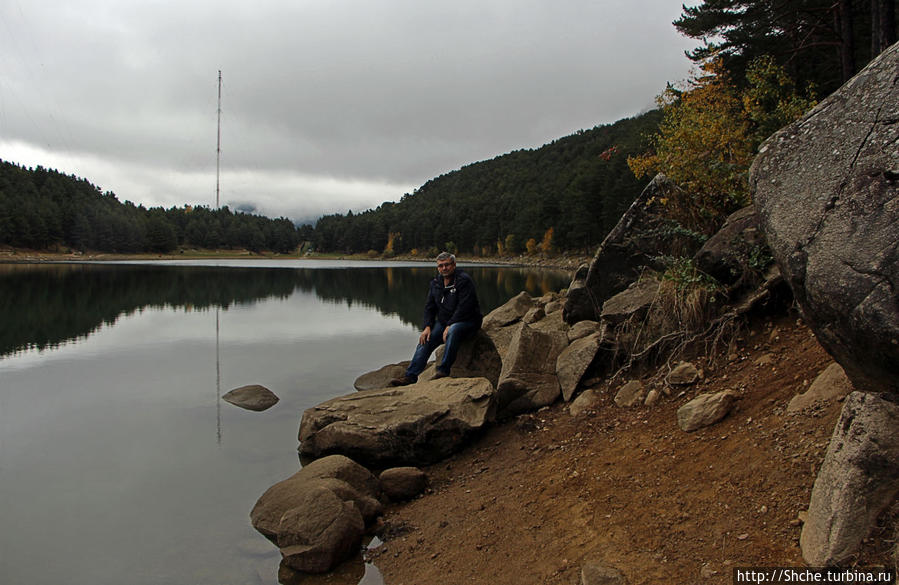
x=119 y=462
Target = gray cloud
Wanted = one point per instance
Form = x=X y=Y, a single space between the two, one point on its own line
x=327 y=105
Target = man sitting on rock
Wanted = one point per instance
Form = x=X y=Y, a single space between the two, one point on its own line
x=452 y=314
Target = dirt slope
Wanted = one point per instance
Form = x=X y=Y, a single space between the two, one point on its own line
x=533 y=499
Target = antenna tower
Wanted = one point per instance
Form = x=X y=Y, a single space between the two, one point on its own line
x=218 y=143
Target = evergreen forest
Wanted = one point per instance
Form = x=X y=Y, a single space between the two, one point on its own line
x=44 y=209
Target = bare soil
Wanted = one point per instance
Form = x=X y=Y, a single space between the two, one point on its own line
x=532 y=500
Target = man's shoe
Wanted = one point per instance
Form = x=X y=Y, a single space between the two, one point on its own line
x=402 y=381
x=440 y=374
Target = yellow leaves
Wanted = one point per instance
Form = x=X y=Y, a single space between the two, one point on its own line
x=708 y=137
x=546 y=246
x=393 y=238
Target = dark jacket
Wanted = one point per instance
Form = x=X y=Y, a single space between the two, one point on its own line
x=453 y=303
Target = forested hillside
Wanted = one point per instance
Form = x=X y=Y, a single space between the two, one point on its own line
x=576 y=186
x=44 y=209
x=563 y=196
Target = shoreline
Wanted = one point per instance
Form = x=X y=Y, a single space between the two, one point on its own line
x=537 y=498
x=564 y=261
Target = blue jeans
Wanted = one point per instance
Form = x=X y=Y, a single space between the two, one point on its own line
x=458 y=333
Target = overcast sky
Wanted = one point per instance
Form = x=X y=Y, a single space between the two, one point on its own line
x=327 y=105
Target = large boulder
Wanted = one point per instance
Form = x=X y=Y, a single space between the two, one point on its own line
x=736 y=255
x=630 y=303
x=410 y=425
x=827 y=192
x=858 y=480
x=528 y=380
x=320 y=532
x=640 y=236
x=573 y=362
x=344 y=477
x=478 y=357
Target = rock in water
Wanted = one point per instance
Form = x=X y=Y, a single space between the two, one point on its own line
x=410 y=425
x=252 y=397
x=319 y=533
x=826 y=190
x=347 y=479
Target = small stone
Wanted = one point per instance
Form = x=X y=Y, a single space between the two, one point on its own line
x=631 y=394
x=705 y=410
x=684 y=374
x=403 y=483
x=595 y=574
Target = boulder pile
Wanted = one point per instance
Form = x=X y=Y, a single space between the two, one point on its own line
x=827 y=190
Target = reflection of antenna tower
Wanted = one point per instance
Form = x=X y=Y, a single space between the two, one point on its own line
x=218 y=383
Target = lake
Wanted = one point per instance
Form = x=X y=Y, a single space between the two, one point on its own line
x=120 y=463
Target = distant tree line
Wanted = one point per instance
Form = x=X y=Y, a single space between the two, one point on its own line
x=44 y=209
x=565 y=195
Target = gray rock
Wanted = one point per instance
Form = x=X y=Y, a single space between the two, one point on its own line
x=478 y=357
x=403 y=483
x=380 y=378
x=683 y=374
x=513 y=310
x=501 y=338
x=574 y=361
x=586 y=401
x=593 y=573
x=827 y=193
x=858 y=480
x=631 y=302
x=705 y=410
x=320 y=532
x=831 y=384
x=252 y=397
x=652 y=397
x=583 y=329
x=534 y=315
x=552 y=323
x=727 y=255
x=631 y=245
x=528 y=379
x=631 y=394
x=409 y=425
x=548 y=298
x=342 y=476
x=553 y=306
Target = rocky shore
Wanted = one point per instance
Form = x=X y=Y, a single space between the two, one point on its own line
x=645 y=426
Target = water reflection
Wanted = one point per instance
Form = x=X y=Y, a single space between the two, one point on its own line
x=117 y=456
x=45 y=305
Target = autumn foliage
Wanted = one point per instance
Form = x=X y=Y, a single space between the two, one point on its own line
x=709 y=135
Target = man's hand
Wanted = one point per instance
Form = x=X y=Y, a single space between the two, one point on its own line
x=425 y=336
x=445 y=333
